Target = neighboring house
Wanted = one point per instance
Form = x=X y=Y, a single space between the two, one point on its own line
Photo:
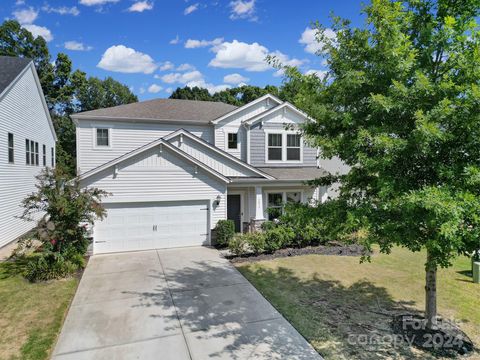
x=176 y=167
x=27 y=141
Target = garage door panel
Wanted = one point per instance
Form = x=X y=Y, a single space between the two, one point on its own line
x=130 y=226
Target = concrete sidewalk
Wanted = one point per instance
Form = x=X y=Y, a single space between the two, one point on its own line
x=177 y=304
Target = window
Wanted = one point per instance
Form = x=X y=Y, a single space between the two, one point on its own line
x=278 y=199
x=27 y=151
x=275 y=205
x=36 y=154
x=11 y=155
x=44 y=153
x=232 y=140
x=275 y=147
x=102 y=137
x=293 y=147
x=32 y=152
x=53 y=157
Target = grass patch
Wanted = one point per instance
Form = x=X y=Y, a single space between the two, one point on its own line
x=328 y=298
x=31 y=315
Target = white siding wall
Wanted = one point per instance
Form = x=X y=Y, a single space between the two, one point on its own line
x=211 y=158
x=234 y=124
x=22 y=114
x=153 y=176
x=124 y=137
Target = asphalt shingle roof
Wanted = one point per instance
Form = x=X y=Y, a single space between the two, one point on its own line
x=164 y=109
x=10 y=68
x=294 y=173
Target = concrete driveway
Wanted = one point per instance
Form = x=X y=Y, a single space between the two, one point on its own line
x=173 y=304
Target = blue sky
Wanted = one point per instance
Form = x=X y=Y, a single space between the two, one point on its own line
x=154 y=46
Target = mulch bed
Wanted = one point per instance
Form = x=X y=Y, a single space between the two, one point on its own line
x=332 y=248
x=446 y=341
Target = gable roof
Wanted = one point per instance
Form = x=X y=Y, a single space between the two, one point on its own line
x=146 y=147
x=200 y=112
x=246 y=106
x=218 y=151
x=285 y=105
x=10 y=68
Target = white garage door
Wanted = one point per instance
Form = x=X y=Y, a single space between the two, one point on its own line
x=133 y=226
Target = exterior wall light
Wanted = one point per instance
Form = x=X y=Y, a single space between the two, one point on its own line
x=217 y=200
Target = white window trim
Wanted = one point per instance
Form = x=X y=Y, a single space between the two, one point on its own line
x=284 y=147
x=284 y=197
x=231 y=130
x=94 y=135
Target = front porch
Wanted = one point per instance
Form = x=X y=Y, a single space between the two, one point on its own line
x=248 y=204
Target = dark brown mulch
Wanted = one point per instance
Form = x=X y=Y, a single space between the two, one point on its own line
x=446 y=341
x=332 y=248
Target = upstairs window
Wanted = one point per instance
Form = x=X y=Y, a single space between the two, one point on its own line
x=102 y=138
x=293 y=147
x=44 y=153
x=53 y=157
x=11 y=149
x=275 y=147
x=232 y=140
x=27 y=151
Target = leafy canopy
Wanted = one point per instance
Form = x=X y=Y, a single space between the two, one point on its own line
x=400 y=106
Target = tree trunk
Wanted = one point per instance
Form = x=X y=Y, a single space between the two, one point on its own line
x=431 y=295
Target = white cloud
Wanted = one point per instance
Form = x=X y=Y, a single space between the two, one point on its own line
x=19 y=2
x=175 y=41
x=96 y=2
x=235 y=79
x=62 y=10
x=169 y=90
x=240 y=9
x=309 y=39
x=167 y=65
x=251 y=57
x=77 y=46
x=26 y=16
x=182 y=78
x=212 y=89
x=120 y=58
x=141 y=6
x=141 y=90
x=319 y=73
x=39 y=31
x=185 y=67
x=192 y=44
x=190 y=9
x=154 y=88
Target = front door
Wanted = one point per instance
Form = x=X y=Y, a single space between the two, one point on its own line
x=234 y=211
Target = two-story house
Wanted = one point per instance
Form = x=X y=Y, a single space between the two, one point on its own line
x=27 y=142
x=176 y=167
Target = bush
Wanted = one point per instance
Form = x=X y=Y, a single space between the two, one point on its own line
x=225 y=230
x=237 y=245
x=268 y=225
x=278 y=238
x=255 y=242
x=51 y=266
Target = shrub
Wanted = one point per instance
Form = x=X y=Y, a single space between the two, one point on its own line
x=225 y=230
x=255 y=242
x=278 y=238
x=268 y=225
x=50 y=266
x=237 y=245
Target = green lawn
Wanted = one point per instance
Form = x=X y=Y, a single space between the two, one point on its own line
x=327 y=298
x=31 y=315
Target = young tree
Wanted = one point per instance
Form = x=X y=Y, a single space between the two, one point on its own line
x=400 y=106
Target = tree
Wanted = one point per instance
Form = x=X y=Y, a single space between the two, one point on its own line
x=400 y=106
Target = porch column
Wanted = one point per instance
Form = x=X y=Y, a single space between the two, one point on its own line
x=259 y=203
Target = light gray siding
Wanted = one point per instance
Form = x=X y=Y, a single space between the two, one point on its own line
x=125 y=137
x=212 y=158
x=22 y=114
x=154 y=176
x=257 y=147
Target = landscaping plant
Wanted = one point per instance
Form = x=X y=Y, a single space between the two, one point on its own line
x=400 y=106
x=225 y=229
x=64 y=210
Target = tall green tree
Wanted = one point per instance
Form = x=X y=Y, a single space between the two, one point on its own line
x=400 y=106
